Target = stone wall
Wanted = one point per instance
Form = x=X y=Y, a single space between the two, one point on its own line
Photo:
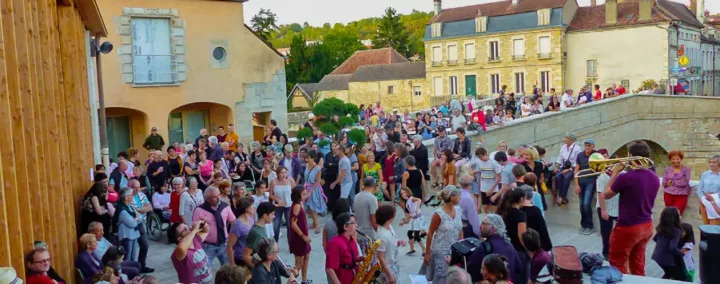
x=262 y=97
x=402 y=97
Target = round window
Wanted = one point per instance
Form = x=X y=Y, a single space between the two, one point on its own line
x=219 y=53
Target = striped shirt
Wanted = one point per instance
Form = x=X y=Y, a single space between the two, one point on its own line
x=611 y=205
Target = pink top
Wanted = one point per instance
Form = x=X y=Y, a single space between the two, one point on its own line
x=227 y=215
x=194 y=267
x=680 y=182
x=207 y=169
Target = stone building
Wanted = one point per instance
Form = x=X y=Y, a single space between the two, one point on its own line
x=182 y=66
x=475 y=50
x=631 y=41
x=302 y=94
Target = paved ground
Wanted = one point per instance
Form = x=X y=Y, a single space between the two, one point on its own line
x=560 y=234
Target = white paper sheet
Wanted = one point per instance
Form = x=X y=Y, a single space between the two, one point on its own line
x=418 y=279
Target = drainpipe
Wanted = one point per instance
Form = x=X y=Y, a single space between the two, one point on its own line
x=101 y=101
x=92 y=89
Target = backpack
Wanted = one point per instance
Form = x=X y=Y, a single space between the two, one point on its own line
x=464 y=248
x=567 y=268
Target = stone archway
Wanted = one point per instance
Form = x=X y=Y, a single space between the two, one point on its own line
x=126 y=128
x=185 y=122
x=658 y=154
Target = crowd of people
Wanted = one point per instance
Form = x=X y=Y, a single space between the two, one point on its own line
x=222 y=201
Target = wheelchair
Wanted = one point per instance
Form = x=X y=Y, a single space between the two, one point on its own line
x=155 y=224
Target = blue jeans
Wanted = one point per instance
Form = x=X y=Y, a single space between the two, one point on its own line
x=130 y=247
x=214 y=251
x=562 y=183
x=279 y=213
x=587 y=190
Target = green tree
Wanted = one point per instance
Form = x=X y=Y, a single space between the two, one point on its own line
x=392 y=33
x=295 y=27
x=264 y=23
x=328 y=108
x=298 y=63
x=341 y=45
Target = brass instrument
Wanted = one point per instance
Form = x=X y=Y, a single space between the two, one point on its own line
x=367 y=273
x=287 y=269
x=598 y=164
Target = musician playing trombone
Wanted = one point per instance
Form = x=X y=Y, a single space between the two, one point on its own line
x=271 y=267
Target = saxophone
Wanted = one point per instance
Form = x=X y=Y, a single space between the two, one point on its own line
x=366 y=273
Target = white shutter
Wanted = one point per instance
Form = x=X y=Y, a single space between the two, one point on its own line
x=438 y=86
x=519 y=47
x=545 y=46
x=437 y=54
x=470 y=51
x=452 y=53
x=152 y=54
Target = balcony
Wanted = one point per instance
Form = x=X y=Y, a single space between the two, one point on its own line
x=154 y=70
x=518 y=57
x=542 y=55
x=469 y=61
x=437 y=63
x=452 y=62
x=494 y=59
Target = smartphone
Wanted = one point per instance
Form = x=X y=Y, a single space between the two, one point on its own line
x=202 y=225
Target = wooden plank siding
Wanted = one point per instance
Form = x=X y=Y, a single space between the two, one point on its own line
x=45 y=128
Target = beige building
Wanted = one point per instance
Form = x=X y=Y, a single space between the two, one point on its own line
x=377 y=75
x=302 y=95
x=182 y=66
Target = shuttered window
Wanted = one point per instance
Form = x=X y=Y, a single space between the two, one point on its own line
x=152 y=51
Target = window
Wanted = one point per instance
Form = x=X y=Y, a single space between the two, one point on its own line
x=518 y=49
x=390 y=90
x=152 y=52
x=543 y=17
x=417 y=91
x=438 y=86
x=494 y=51
x=219 y=53
x=545 y=81
x=592 y=66
x=469 y=53
x=626 y=84
x=544 y=50
x=436 y=30
x=452 y=54
x=495 y=83
x=453 y=85
x=437 y=55
x=519 y=82
x=480 y=24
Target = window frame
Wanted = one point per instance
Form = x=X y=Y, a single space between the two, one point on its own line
x=417 y=91
x=494 y=83
x=136 y=47
x=453 y=85
x=548 y=53
x=515 y=49
x=519 y=86
x=450 y=54
x=390 y=89
x=545 y=82
x=436 y=61
x=466 y=53
x=494 y=50
x=591 y=68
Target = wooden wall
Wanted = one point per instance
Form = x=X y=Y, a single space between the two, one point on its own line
x=45 y=139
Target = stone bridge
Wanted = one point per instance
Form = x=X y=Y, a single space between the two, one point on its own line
x=667 y=123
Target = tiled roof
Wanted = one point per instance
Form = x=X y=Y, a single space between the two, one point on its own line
x=334 y=82
x=369 y=57
x=495 y=9
x=386 y=72
x=679 y=11
x=587 y=18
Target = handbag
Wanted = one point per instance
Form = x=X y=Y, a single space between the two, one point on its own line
x=567 y=164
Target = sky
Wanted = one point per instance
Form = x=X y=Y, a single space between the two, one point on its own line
x=318 y=12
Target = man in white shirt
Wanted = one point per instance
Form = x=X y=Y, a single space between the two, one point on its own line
x=564 y=166
x=458 y=120
x=567 y=100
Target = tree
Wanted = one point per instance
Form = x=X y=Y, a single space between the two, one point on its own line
x=341 y=45
x=264 y=23
x=328 y=108
x=392 y=33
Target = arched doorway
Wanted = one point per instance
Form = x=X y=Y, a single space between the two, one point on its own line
x=657 y=153
x=186 y=121
x=126 y=128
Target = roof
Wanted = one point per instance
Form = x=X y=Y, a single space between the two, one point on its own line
x=387 y=72
x=369 y=57
x=587 y=18
x=334 y=82
x=495 y=9
x=307 y=89
x=498 y=24
x=264 y=41
x=90 y=14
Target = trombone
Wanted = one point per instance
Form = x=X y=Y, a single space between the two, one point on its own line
x=598 y=164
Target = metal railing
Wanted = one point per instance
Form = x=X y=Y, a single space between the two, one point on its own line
x=437 y=63
x=494 y=59
x=452 y=62
x=541 y=55
x=518 y=57
x=470 y=61
x=436 y=100
x=154 y=69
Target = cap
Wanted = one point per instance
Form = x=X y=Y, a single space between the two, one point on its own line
x=441 y=128
x=589 y=141
x=311 y=116
x=8 y=275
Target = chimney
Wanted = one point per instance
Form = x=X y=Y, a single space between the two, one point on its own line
x=515 y=2
x=645 y=10
x=701 y=11
x=610 y=12
x=593 y=3
x=438 y=6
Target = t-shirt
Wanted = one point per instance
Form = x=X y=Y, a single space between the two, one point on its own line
x=566 y=99
x=344 y=164
x=194 y=267
x=161 y=177
x=512 y=219
x=638 y=189
x=339 y=251
x=489 y=170
x=365 y=204
x=241 y=230
x=583 y=160
x=458 y=121
x=536 y=221
x=256 y=234
x=507 y=176
x=450 y=171
x=538 y=262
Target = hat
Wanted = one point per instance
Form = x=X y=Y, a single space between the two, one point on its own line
x=8 y=275
x=603 y=151
x=153 y=128
x=311 y=116
x=589 y=141
x=441 y=128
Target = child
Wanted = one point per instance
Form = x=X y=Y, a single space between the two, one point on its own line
x=413 y=215
x=262 y=195
x=494 y=269
x=666 y=253
x=487 y=178
x=511 y=156
x=687 y=242
x=539 y=258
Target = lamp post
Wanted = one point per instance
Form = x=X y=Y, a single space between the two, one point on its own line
x=104 y=48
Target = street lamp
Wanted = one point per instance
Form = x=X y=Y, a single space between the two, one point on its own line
x=95 y=51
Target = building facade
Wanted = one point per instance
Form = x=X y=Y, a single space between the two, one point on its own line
x=710 y=70
x=180 y=70
x=597 y=34
x=475 y=50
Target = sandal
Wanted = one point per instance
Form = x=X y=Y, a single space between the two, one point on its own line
x=306 y=282
x=317 y=231
x=410 y=252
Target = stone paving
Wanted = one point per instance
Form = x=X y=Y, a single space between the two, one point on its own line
x=561 y=234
